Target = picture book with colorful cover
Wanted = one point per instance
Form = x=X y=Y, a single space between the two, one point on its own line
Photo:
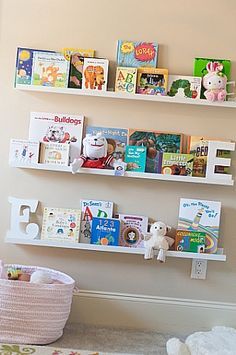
x=50 y=69
x=190 y=241
x=76 y=71
x=188 y=87
x=23 y=151
x=177 y=164
x=61 y=224
x=201 y=216
x=117 y=139
x=132 y=230
x=58 y=128
x=152 y=81
x=95 y=74
x=90 y=209
x=156 y=143
x=69 y=51
x=126 y=80
x=105 y=231
x=135 y=157
x=137 y=54
x=54 y=153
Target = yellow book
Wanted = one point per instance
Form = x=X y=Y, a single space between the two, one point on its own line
x=68 y=51
x=152 y=81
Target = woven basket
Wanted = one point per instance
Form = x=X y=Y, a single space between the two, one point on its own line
x=34 y=313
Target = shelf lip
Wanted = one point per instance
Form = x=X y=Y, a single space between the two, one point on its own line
x=129 y=174
x=112 y=249
x=126 y=96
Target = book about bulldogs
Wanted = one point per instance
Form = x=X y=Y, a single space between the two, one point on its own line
x=58 y=128
x=95 y=74
x=132 y=229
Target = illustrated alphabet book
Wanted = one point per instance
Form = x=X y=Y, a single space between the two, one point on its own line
x=62 y=224
x=54 y=153
x=177 y=164
x=105 y=231
x=201 y=216
x=24 y=151
x=95 y=74
x=184 y=86
x=137 y=54
x=126 y=80
x=190 y=241
x=58 y=128
x=90 y=209
x=132 y=230
x=152 y=81
x=135 y=157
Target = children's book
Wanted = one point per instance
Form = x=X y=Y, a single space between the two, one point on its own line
x=62 y=224
x=152 y=81
x=116 y=139
x=188 y=87
x=58 y=128
x=137 y=54
x=90 y=209
x=177 y=164
x=23 y=151
x=132 y=230
x=105 y=231
x=126 y=80
x=50 y=69
x=95 y=74
x=190 y=241
x=67 y=52
x=156 y=143
x=135 y=157
x=54 y=153
x=76 y=71
x=201 y=216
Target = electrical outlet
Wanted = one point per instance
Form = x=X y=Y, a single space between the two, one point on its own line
x=199 y=269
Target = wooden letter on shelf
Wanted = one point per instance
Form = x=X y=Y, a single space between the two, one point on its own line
x=17 y=218
x=213 y=160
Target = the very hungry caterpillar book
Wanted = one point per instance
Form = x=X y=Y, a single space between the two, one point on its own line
x=184 y=86
x=132 y=229
x=105 y=231
x=137 y=54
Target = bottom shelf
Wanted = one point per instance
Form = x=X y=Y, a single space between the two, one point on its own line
x=113 y=249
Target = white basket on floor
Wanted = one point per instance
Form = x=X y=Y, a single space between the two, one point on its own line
x=34 y=313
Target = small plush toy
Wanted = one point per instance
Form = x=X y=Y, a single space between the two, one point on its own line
x=215 y=82
x=157 y=239
x=41 y=277
x=94 y=155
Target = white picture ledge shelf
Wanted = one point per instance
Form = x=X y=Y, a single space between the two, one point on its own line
x=112 y=249
x=115 y=95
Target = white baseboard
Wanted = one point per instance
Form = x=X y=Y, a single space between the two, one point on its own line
x=160 y=314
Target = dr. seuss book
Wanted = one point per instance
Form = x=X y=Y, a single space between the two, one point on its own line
x=116 y=139
x=69 y=51
x=58 y=128
x=135 y=157
x=95 y=74
x=152 y=81
x=76 y=71
x=54 y=153
x=50 y=69
x=184 y=86
x=132 y=230
x=105 y=231
x=62 y=224
x=177 y=164
x=126 y=80
x=156 y=143
x=90 y=209
x=201 y=216
x=190 y=241
x=137 y=54
x=24 y=151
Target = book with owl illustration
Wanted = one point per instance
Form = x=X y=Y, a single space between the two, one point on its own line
x=54 y=153
x=126 y=80
x=105 y=231
x=95 y=74
x=137 y=54
x=132 y=229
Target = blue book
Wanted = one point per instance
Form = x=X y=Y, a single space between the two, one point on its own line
x=105 y=231
x=137 y=54
x=135 y=157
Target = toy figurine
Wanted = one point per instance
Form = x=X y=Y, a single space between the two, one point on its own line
x=215 y=82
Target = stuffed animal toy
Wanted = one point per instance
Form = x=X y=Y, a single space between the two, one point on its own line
x=215 y=82
x=41 y=277
x=94 y=154
x=218 y=341
x=157 y=239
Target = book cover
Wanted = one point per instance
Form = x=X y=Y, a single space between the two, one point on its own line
x=135 y=157
x=177 y=164
x=152 y=81
x=137 y=54
x=62 y=224
x=126 y=80
x=190 y=241
x=54 y=153
x=188 y=87
x=50 y=69
x=95 y=74
x=117 y=139
x=23 y=151
x=58 y=128
x=105 y=231
x=156 y=143
x=69 y=51
x=132 y=230
x=90 y=209
x=201 y=216
x=76 y=71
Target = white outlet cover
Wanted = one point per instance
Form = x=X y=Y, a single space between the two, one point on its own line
x=199 y=269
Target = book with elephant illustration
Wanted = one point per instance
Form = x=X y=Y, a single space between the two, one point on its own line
x=184 y=86
x=95 y=74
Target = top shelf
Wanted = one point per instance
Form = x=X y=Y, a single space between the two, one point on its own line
x=126 y=96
